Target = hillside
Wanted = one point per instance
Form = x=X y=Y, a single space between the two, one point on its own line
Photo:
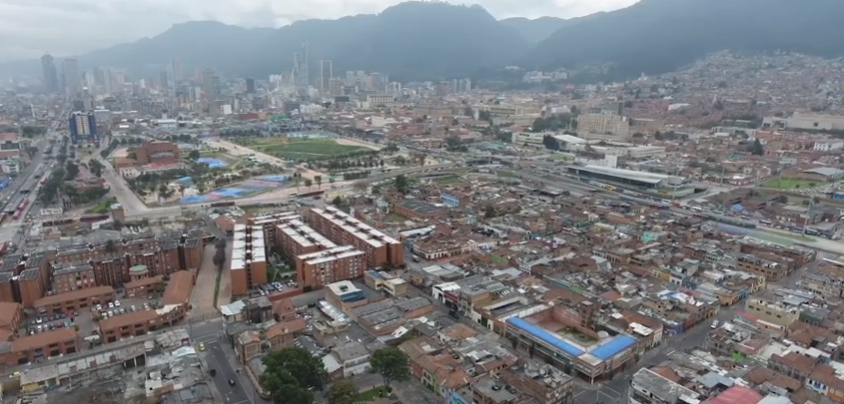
x=410 y=41
x=655 y=36
x=539 y=29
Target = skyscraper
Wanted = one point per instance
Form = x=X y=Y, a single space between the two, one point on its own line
x=48 y=69
x=210 y=85
x=304 y=68
x=326 y=73
x=250 y=85
x=72 y=78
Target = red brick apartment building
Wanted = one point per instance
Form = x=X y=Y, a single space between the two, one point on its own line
x=174 y=307
x=11 y=317
x=269 y=223
x=380 y=250
x=248 y=264
x=321 y=268
x=155 y=151
x=24 y=278
x=76 y=300
x=32 y=348
x=295 y=238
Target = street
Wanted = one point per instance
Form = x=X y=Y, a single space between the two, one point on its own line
x=219 y=356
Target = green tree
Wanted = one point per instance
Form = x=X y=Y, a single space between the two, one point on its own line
x=342 y=392
x=318 y=180
x=194 y=154
x=757 y=149
x=309 y=183
x=391 y=364
x=307 y=370
x=402 y=184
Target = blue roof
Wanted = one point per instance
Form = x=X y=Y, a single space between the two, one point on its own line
x=613 y=347
x=546 y=337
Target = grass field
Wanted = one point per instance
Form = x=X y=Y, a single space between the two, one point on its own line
x=790 y=183
x=370 y=395
x=304 y=149
x=447 y=180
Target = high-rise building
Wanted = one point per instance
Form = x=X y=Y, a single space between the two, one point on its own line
x=303 y=70
x=210 y=85
x=48 y=69
x=83 y=126
x=164 y=80
x=250 y=85
x=326 y=73
x=72 y=77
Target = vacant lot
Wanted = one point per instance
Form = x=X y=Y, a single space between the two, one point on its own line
x=790 y=183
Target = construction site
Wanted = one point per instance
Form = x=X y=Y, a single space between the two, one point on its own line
x=162 y=368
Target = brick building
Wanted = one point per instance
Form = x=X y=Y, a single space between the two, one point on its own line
x=248 y=263
x=38 y=347
x=157 y=152
x=295 y=238
x=75 y=300
x=321 y=268
x=380 y=250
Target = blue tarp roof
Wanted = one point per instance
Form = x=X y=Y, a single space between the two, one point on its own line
x=737 y=207
x=546 y=337
x=618 y=344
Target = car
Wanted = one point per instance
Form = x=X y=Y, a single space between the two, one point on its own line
x=231 y=382
x=110 y=305
x=714 y=324
x=117 y=303
x=201 y=347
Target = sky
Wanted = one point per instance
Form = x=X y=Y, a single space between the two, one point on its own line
x=29 y=28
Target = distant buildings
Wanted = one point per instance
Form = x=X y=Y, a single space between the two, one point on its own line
x=72 y=78
x=50 y=76
x=326 y=73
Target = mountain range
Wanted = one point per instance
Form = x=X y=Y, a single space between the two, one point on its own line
x=435 y=40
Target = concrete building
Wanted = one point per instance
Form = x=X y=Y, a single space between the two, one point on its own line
x=772 y=312
x=603 y=127
x=598 y=358
x=158 y=152
x=321 y=268
x=248 y=264
x=380 y=250
x=649 y=387
x=385 y=282
x=72 y=77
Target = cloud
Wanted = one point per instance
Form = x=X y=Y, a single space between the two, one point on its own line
x=29 y=28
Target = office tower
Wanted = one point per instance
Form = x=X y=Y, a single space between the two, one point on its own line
x=107 y=81
x=326 y=73
x=303 y=70
x=250 y=85
x=175 y=70
x=48 y=69
x=164 y=80
x=83 y=126
x=210 y=85
x=72 y=78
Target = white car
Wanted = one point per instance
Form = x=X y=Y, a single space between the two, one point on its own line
x=117 y=303
x=714 y=325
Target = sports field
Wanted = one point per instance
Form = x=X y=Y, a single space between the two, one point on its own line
x=304 y=149
x=790 y=183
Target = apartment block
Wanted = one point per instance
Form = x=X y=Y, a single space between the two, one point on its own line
x=11 y=317
x=39 y=347
x=603 y=127
x=24 y=278
x=76 y=300
x=248 y=265
x=269 y=223
x=324 y=267
x=70 y=277
x=380 y=250
x=295 y=238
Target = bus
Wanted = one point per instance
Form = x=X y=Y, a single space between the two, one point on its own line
x=312 y=194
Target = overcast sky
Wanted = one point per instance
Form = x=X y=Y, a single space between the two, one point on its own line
x=28 y=28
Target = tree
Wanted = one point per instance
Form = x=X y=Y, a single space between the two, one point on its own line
x=342 y=392
x=757 y=149
x=391 y=364
x=71 y=171
x=402 y=184
x=219 y=254
x=194 y=154
x=489 y=212
x=309 y=183
x=307 y=371
x=318 y=180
